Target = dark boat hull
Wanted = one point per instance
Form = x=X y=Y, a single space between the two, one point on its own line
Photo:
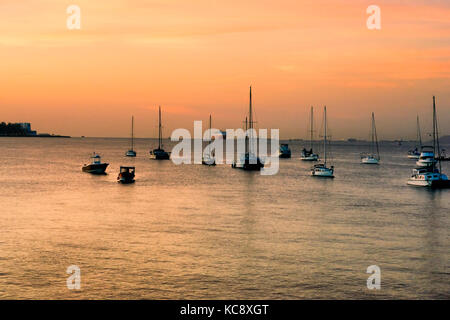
x=285 y=155
x=440 y=184
x=159 y=154
x=95 y=168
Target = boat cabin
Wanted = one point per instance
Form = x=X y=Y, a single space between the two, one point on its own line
x=127 y=170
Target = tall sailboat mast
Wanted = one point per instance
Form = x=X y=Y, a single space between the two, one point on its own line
x=312 y=128
x=436 y=135
x=419 y=135
x=159 y=130
x=325 y=136
x=250 y=123
x=373 y=134
x=210 y=127
x=132 y=132
x=374 y=137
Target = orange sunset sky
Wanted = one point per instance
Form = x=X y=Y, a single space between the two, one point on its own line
x=195 y=57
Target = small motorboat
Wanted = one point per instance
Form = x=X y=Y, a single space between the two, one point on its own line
x=96 y=167
x=284 y=152
x=126 y=175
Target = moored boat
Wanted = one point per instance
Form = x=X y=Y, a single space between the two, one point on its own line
x=208 y=158
x=131 y=152
x=374 y=156
x=321 y=169
x=126 y=175
x=249 y=160
x=285 y=151
x=309 y=155
x=415 y=153
x=429 y=171
x=159 y=153
x=96 y=166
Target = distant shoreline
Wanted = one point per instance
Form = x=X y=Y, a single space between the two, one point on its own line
x=36 y=136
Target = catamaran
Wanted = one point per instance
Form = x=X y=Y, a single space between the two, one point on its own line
x=415 y=153
x=430 y=175
x=372 y=157
x=249 y=160
x=131 y=152
x=321 y=169
x=159 y=153
x=309 y=155
x=209 y=157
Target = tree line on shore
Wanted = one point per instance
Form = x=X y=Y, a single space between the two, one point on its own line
x=12 y=129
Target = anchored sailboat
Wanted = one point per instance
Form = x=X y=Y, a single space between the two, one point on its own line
x=321 y=169
x=208 y=156
x=309 y=155
x=249 y=160
x=131 y=152
x=159 y=153
x=430 y=175
x=415 y=153
x=372 y=157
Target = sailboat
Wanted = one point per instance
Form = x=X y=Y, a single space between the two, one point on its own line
x=321 y=169
x=430 y=175
x=415 y=153
x=249 y=160
x=159 y=153
x=208 y=156
x=372 y=158
x=309 y=155
x=131 y=152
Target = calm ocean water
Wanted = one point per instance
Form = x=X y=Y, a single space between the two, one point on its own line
x=197 y=232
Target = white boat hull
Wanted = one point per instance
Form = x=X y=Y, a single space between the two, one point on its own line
x=369 y=160
x=424 y=164
x=415 y=157
x=313 y=157
x=419 y=183
x=322 y=172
